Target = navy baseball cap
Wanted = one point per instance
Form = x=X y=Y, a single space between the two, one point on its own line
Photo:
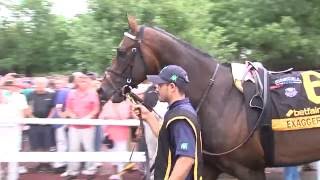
x=170 y=74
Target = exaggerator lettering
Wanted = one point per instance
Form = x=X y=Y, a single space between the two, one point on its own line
x=303 y=122
x=295 y=123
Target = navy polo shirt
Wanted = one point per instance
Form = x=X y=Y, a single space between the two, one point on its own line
x=182 y=137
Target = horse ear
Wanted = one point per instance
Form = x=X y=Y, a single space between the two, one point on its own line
x=133 y=24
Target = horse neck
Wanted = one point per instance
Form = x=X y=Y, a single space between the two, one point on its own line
x=200 y=66
x=223 y=110
x=223 y=101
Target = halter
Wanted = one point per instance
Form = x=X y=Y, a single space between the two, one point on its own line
x=127 y=72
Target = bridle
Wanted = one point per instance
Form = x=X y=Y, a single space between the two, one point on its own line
x=135 y=55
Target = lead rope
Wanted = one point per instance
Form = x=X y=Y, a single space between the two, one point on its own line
x=265 y=86
x=148 y=174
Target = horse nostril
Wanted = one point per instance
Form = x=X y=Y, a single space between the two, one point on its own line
x=100 y=90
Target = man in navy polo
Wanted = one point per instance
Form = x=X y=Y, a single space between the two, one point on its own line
x=179 y=154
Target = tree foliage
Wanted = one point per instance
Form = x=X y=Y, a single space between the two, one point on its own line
x=276 y=32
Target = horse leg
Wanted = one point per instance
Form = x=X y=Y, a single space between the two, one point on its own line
x=244 y=173
x=210 y=172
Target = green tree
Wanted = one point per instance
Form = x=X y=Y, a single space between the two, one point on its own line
x=34 y=42
x=280 y=33
x=177 y=17
x=92 y=44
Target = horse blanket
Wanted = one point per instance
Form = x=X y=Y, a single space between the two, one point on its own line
x=295 y=99
x=293 y=96
x=293 y=102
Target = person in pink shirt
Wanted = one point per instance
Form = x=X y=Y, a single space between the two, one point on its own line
x=81 y=103
x=119 y=134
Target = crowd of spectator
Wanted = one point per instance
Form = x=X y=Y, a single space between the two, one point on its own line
x=59 y=96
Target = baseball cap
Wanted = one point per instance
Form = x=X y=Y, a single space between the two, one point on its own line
x=170 y=74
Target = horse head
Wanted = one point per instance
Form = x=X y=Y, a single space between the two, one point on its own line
x=133 y=61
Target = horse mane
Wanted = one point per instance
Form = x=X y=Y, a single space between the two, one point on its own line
x=182 y=42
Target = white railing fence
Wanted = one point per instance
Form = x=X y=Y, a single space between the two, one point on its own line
x=70 y=156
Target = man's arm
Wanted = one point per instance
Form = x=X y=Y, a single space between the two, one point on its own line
x=26 y=111
x=51 y=113
x=52 y=105
x=29 y=111
x=154 y=124
x=183 y=139
x=182 y=168
x=69 y=106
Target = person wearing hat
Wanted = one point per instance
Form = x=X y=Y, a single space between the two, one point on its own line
x=179 y=154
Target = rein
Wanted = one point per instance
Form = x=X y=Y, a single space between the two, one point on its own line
x=205 y=94
x=264 y=98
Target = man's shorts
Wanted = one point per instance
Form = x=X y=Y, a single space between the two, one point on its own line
x=40 y=136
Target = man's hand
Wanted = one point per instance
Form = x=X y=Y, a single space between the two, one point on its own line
x=28 y=112
x=142 y=112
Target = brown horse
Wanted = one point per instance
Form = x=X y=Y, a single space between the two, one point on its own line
x=223 y=115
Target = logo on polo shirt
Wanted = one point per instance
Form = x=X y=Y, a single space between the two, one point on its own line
x=184 y=146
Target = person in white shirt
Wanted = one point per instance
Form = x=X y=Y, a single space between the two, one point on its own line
x=13 y=106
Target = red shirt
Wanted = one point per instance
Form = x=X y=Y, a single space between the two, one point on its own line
x=82 y=103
